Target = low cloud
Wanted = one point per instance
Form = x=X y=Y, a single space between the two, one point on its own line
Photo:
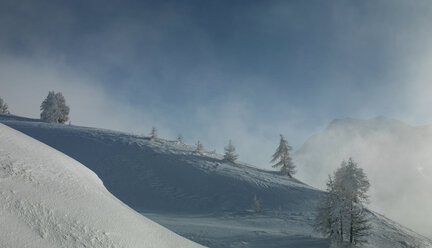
x=396 y=157
x=24 y=85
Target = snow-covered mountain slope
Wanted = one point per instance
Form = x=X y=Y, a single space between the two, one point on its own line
x=160 y=175
x=199 y=195
x=50 y=200
x=396 y=157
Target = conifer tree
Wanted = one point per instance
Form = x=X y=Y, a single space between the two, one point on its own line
x=153 y=133
x=352 y=186
x=230 y=154
x=199 y=147
x=283 y=157
x=180 y=139
x=54 y=108
x=3 y=107
x=329 y=219
x=341 y=214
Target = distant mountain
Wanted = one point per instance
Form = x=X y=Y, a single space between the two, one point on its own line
x=396 y=157
x=201 y=196
x=50 y=200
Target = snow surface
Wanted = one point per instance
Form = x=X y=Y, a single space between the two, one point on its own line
x=200 y=196
x=50 y=200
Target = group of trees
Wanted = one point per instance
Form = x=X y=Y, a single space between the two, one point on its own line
x=54 y=108
x=230 y=154
x=281 y=155
x=341 y=214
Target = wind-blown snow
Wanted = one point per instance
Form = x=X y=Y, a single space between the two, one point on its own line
x=50 y=200
x=396 y=157
x=200 y=196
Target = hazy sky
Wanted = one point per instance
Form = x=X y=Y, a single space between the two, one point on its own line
x=219 y=70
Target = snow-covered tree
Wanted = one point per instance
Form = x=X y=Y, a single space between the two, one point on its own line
x=153 y=133
x=353 y=185
x=283 y=157
x=199 y=147
x=180 y=139
x=54 y=108
x=341 y=214
x=3 y=107
x=329 y=219
x=230 y=154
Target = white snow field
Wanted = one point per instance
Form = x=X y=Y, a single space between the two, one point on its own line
x=47 y=199
x=199 y=196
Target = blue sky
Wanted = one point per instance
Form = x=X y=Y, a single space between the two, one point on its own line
x=219 y=70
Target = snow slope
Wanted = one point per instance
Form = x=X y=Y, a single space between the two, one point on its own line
x=396 y=157
x=50 y=200
x=176 y=178
x=199 y=195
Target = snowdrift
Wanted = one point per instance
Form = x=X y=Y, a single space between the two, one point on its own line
x=50 y=200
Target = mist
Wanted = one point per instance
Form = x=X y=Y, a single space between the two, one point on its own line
x=228 y=70
x=395 y=156
x=25 y=84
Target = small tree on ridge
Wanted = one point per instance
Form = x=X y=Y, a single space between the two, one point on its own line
x=3 y=107
x=54 y=108
x=180 y=139
x=283 y=157
x=230 y=154
x=153 y=133
x=199 y=147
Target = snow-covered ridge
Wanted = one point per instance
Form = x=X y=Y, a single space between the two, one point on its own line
x=50 y=200
x=200 y=196
x=174 y=176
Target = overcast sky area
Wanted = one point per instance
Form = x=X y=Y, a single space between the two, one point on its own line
x=219 y=70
